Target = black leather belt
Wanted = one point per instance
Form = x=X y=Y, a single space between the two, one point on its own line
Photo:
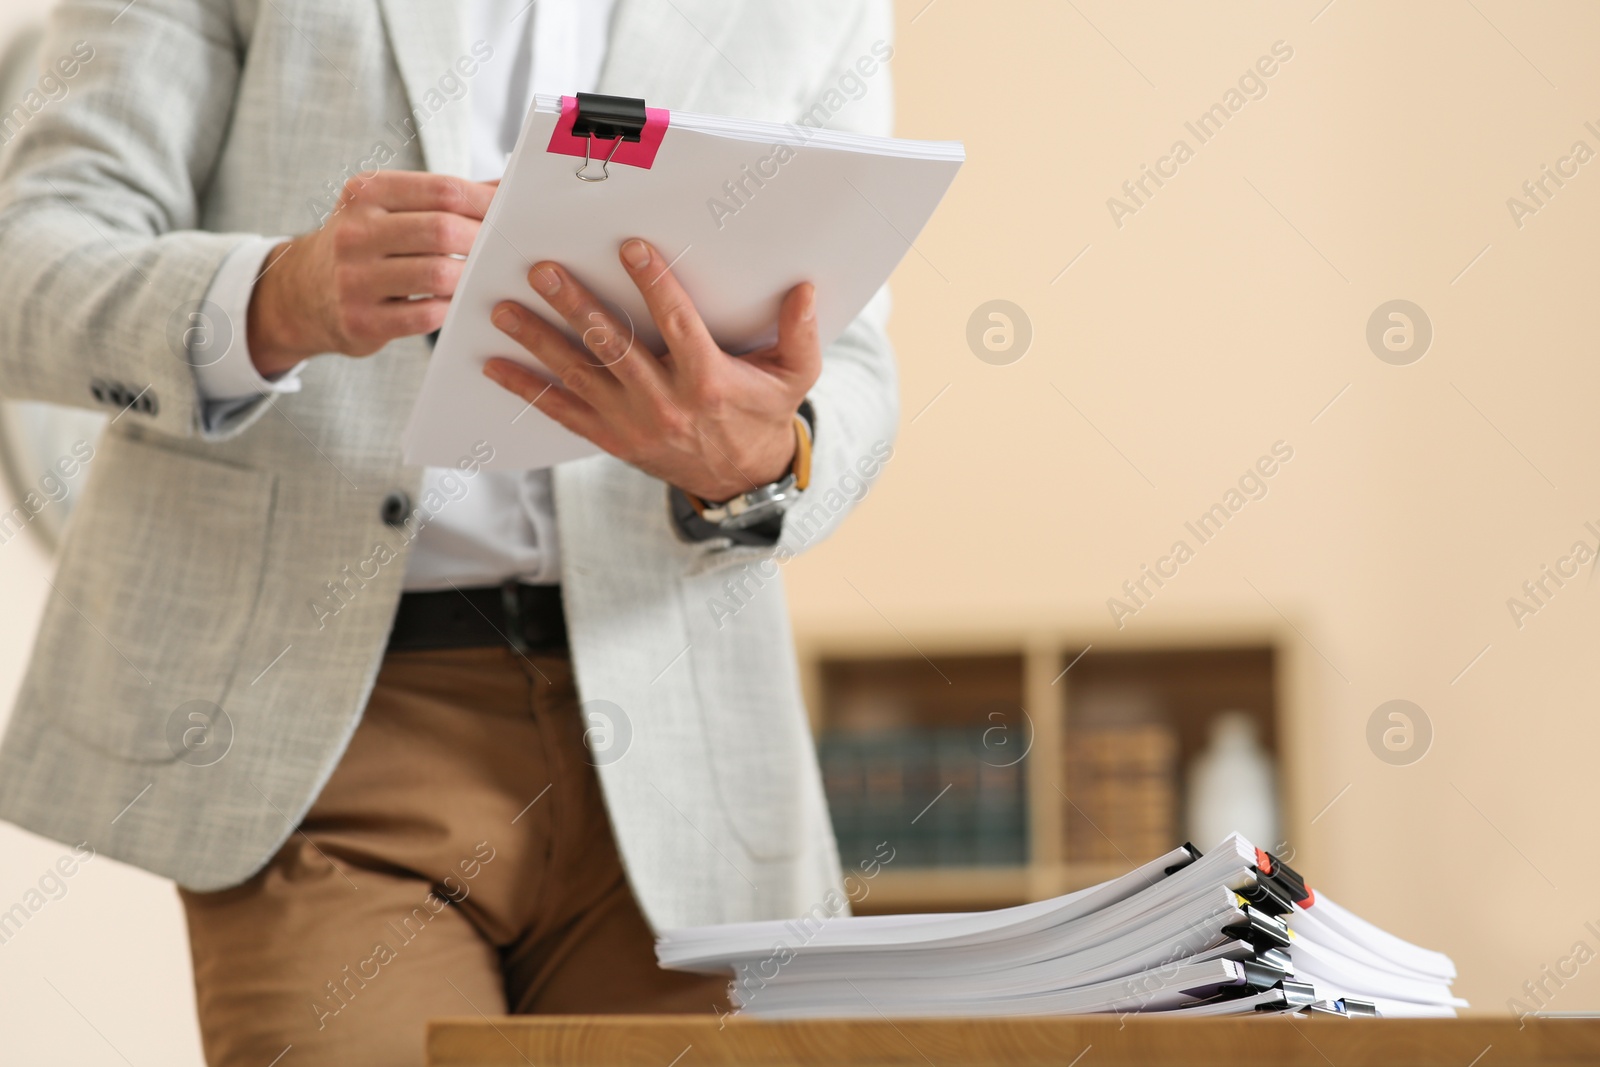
x=525 y=617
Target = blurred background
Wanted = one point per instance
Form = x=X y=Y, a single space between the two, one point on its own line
x=1339 y=347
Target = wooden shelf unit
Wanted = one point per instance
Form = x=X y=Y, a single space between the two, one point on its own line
x=1193 y=674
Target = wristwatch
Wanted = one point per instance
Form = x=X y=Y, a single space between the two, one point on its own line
x=755 y=516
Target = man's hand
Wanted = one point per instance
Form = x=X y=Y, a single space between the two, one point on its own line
x=349 y=286
x=712 y=424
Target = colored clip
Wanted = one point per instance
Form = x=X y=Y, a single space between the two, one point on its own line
x=1285 y=878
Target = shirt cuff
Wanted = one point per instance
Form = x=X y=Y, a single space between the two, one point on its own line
x=217 y=341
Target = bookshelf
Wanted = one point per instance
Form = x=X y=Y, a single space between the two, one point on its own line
x=998 y=762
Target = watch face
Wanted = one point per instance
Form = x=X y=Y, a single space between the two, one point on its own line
x=44 y=453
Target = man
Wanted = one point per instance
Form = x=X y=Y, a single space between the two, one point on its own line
x=343 y=702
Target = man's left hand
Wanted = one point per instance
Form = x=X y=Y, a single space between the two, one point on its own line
x=712 y=424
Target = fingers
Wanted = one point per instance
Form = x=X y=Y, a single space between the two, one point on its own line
x=405 y=190
x=570 y=411
x=674 y=313
x=393 y=235
x=408 y=233
x=610 y=342
x=397 y=276
x=577 y=373
x=381 y=322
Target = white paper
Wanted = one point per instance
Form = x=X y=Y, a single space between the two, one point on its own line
x=840 y=217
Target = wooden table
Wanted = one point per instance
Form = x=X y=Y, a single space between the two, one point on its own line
x=1278 y=1041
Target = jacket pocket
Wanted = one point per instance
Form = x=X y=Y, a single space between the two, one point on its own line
x=158 y=581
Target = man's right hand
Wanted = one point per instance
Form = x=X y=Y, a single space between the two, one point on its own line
x=383 y=266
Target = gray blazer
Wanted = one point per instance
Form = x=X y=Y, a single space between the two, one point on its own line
x=196 y=561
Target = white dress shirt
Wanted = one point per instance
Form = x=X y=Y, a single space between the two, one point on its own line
x=504 y=525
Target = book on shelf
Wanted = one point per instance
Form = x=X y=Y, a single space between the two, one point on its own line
x=1233 y=931
x=1120 y=796
x=937 y=795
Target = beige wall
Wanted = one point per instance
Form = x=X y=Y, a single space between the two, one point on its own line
x=1222 y=317
x=1203 y=330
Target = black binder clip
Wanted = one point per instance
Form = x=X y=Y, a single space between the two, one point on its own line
x=607 y=118
x=1194 y=854
x=1260 y=931
x=1282 y=877
x=1267 y=895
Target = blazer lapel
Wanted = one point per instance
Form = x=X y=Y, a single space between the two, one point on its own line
x=649 y=40
x=426 y=38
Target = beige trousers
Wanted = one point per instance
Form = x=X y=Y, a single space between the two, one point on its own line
x=458 y=863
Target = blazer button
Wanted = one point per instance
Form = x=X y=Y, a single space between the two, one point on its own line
x=396 y=506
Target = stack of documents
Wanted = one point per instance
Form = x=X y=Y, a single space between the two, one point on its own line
x=1229 y=932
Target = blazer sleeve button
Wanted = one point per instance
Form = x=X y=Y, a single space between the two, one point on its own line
x=396 y=506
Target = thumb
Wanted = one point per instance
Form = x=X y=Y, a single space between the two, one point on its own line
x=798 y=354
